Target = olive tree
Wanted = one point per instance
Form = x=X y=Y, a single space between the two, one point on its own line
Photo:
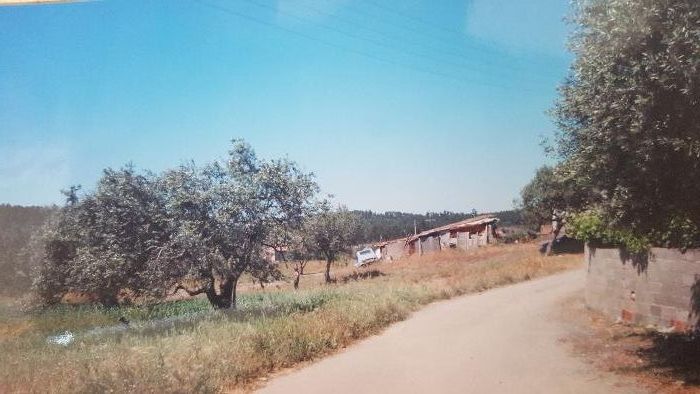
x=629 y=115
x=548 y=197
x=224 y=215
x=330 y=232
x=105 y=242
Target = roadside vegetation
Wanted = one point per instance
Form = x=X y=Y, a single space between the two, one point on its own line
x=188 y=346
x=628 y=115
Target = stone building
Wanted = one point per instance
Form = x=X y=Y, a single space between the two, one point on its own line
x=466 y=234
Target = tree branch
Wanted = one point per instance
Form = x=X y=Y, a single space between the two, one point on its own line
x=192 y=293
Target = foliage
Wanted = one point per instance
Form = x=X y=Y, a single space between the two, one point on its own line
x=589 y=226
x=547 y=193
x=17 y=225
x=629 y=116
x=106 y=241
x=191 y=228
x=225 y=214
x=330 y=232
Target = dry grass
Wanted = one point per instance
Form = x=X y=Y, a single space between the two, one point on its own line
x=274 y=329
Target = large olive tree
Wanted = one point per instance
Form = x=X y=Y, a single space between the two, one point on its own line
x=224 y=215
x=629 y=115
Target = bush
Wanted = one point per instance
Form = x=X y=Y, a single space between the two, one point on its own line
x=589 y=226
x=592 y=226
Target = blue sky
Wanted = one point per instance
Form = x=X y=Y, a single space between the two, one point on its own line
x=394 y=105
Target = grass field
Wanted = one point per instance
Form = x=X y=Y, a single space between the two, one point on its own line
x=184 y=346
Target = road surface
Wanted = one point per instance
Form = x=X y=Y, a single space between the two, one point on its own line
x=501 y=341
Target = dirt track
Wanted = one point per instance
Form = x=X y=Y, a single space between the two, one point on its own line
x=505 y=340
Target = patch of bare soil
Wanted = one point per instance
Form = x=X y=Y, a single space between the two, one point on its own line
x=664 y=363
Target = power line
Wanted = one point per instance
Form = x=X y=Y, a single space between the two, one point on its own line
x=382 y=59
x=413 y=18
x=441 y=39
x=321 y=41
x=470 y=66
x=352 y=35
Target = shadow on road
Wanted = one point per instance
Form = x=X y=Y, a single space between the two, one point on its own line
x=677 y=355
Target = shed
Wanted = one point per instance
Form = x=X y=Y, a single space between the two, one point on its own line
x=466 y=234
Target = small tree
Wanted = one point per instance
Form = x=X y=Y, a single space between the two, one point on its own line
x=330 y=232
x=547 y=198
x=299 y=248
x=263 y=271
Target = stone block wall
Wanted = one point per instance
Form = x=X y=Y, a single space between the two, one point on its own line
x=661 y=288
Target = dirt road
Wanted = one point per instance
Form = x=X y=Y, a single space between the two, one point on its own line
x=501 y=341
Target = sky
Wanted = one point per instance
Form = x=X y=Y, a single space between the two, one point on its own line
x=406 y=105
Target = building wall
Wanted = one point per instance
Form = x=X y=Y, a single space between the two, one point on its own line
x=477 y=236
x=462 y=239
x=430 y=244
x=662 y=289
x=394 y=250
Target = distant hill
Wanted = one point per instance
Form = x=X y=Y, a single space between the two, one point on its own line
x=389 y=225
x=17 y=224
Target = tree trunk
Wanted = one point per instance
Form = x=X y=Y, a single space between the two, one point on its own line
x=109 y=298
x=297 y=275
x=226 y=297
x=328 y=270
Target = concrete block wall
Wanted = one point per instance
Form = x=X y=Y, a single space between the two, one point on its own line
x=462 y=240
x=395 y=250
x=662 y=288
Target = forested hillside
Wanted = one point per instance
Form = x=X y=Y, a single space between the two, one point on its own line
x=16 y=227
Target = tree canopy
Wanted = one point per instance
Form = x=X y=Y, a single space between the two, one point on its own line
x=629 y=117
x=192 y=228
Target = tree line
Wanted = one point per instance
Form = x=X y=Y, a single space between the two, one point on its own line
x=376 y=226
x=628 y=146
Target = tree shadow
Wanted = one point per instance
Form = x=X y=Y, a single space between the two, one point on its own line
x=677 y=355
x=639 y=260
x=357 y=275
x=563 y=245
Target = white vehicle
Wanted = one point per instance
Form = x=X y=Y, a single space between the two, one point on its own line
x=366 y=256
